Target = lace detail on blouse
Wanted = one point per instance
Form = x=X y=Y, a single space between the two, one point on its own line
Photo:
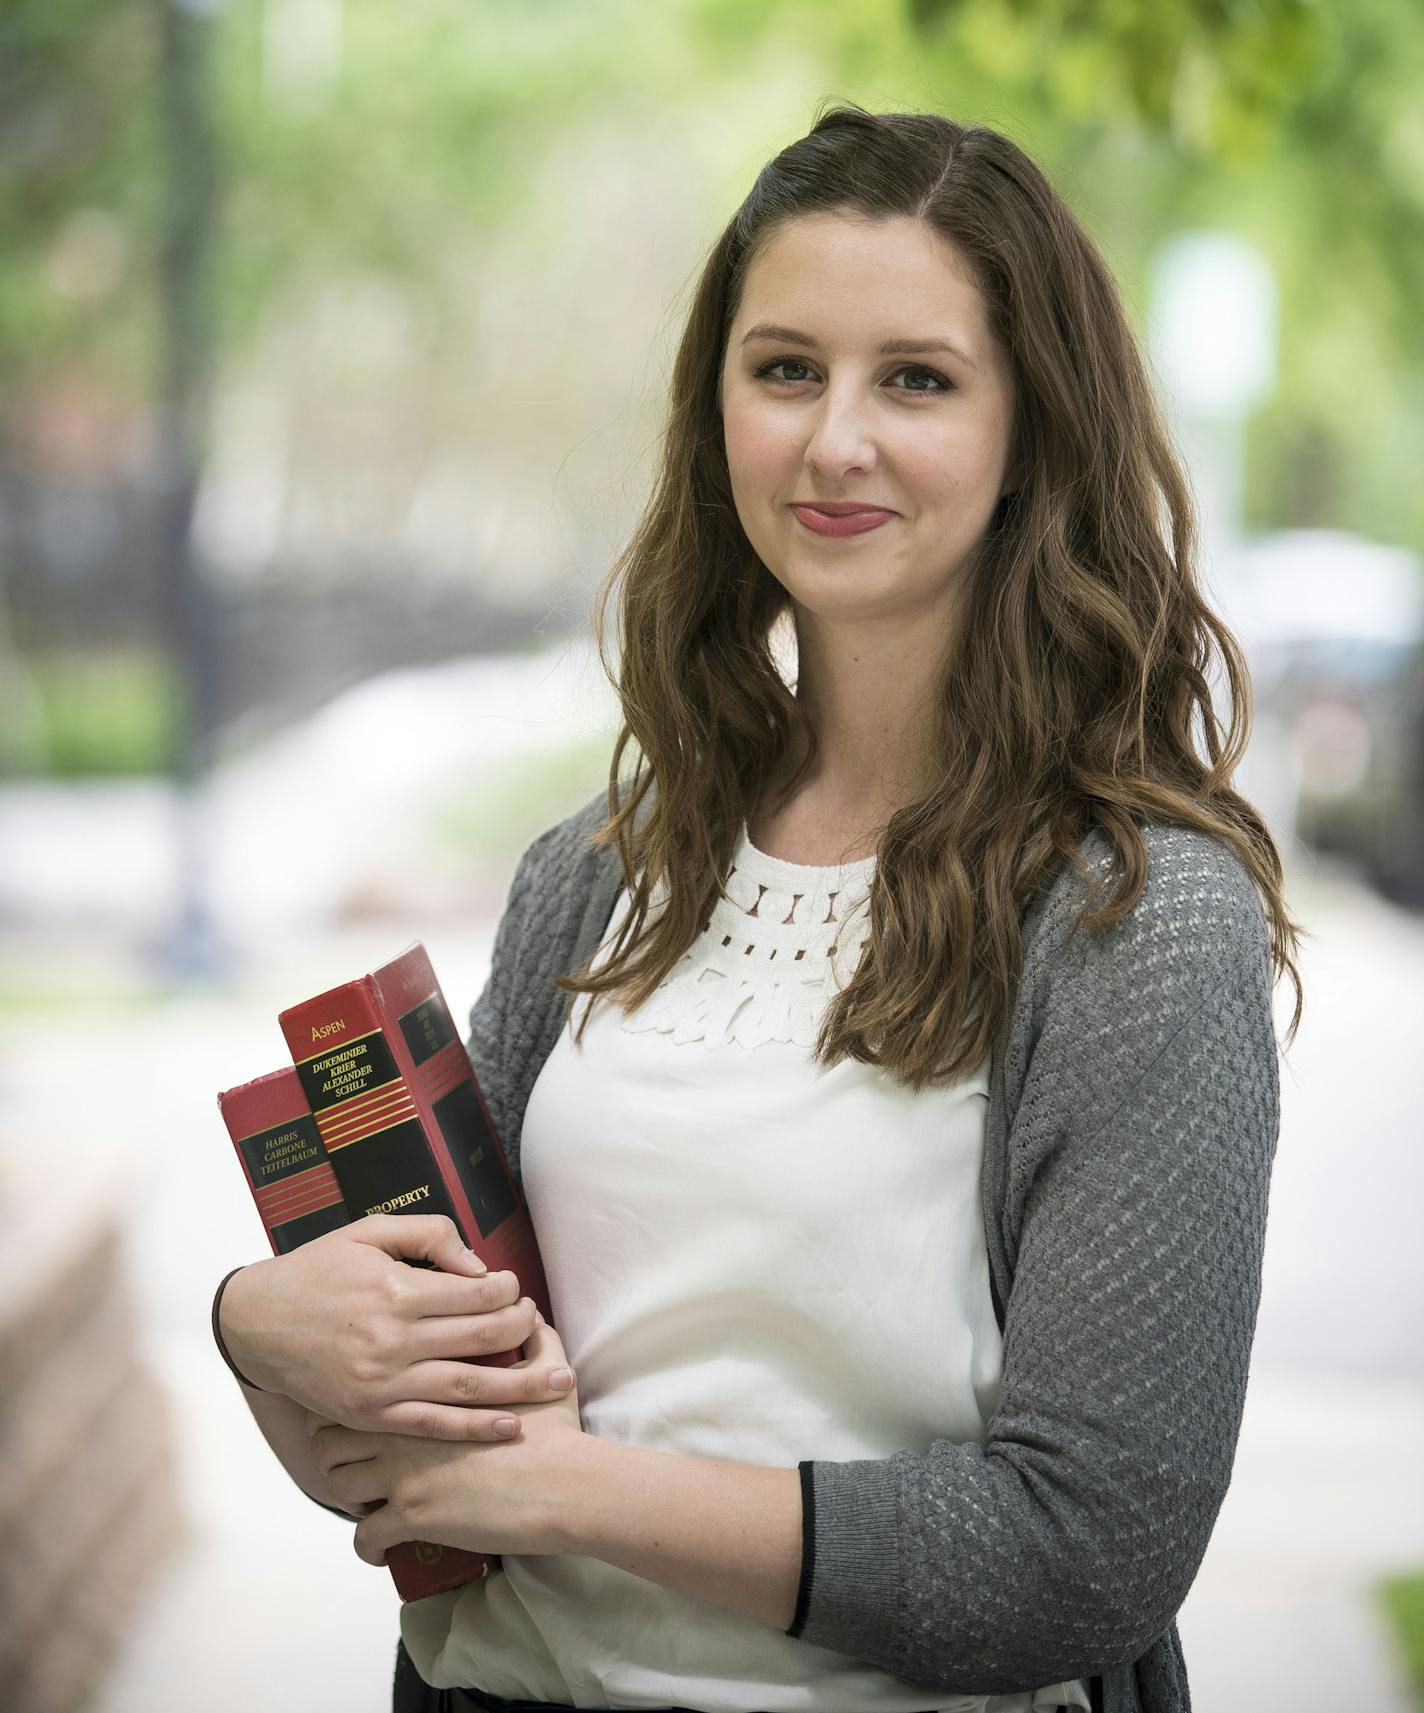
x=784 y=938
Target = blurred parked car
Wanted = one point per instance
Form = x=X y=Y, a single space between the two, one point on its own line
x=1333 y=627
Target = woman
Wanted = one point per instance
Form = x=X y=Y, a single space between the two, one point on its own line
x=901 y=1186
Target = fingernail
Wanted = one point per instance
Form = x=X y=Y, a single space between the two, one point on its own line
x=561 y=1379
x=538 y=1318
x=474 y=1261
x=506 y=1427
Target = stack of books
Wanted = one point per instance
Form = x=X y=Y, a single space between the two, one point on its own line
x=380 y=1112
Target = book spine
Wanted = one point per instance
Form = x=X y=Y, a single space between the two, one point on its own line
x=403 y=1118
x=298 y=1198
x=364 y=1110
x=283 y=1160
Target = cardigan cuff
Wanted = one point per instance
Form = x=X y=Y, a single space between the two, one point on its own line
x=849 y=1555
x=808 y=1546
x=217 y=1331
x=336 y=1510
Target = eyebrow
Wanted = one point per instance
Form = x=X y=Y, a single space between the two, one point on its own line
x=891 y=347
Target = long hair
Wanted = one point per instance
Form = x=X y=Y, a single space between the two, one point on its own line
x=1071 y=685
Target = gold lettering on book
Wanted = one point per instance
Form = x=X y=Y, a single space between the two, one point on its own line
x=422 y=1194
x=286 y=1149
x=346 y=1072
x=425 y=1016
x=320 y=1031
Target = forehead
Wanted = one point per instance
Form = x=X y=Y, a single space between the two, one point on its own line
x=859 y=279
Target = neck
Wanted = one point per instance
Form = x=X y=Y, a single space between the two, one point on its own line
x=869 y=693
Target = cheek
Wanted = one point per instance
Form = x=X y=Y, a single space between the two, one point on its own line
x=965 y=462
x=756 y=445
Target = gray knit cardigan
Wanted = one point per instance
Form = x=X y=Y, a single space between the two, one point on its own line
x=1130 y=1132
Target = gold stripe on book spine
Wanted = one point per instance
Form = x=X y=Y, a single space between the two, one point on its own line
x=277 y=1196
x=341 y=1126
x=276 y=1205
x=389 y=1098
x=314 y=1203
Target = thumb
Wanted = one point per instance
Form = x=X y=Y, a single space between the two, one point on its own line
x=433 y=1238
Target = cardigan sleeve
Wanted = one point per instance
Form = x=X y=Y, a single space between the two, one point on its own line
x=559 y=899
x=493 y=1053
x=1139 y=1161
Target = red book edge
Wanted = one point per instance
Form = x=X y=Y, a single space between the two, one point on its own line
x=401 y=984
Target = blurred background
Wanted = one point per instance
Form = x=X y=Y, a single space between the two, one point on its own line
x=333 y=347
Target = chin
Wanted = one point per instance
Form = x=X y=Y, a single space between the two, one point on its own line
x=846 y=594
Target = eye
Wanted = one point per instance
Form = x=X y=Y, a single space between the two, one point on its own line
x=765 y=371
x=941 y=383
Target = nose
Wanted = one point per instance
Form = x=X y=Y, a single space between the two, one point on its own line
x=840 y=442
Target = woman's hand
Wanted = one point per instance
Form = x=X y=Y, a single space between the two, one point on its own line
x=494 y=1498
x=347 y=1329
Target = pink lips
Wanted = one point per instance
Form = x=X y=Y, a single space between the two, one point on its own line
x=854 y=523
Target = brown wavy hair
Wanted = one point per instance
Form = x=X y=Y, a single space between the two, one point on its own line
x=1069 y=690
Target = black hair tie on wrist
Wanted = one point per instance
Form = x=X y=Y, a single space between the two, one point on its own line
x=218 y=1337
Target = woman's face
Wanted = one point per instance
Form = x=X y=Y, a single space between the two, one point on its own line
x=817 y=410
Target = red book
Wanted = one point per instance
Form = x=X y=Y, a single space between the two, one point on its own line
x=403 y=1120
x=283 y=1159
x=299 y=1198
x=406 y=1129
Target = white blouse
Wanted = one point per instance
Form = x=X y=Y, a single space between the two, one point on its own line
x=752 y=1257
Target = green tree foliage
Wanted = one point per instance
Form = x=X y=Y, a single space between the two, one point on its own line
x=1212 y=75
x=78 y=193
